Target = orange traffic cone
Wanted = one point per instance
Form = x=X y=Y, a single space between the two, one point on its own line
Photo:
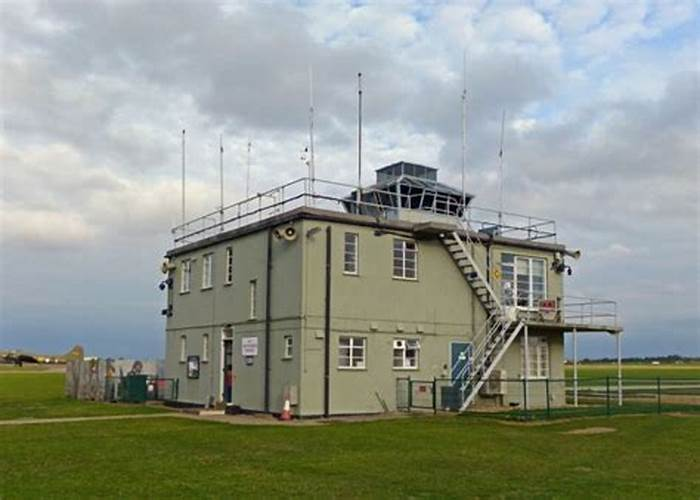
x=286 y=411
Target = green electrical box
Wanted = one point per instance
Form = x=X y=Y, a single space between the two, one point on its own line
x=135 y=388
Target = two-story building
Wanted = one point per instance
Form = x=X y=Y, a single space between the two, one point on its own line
x=326 y=295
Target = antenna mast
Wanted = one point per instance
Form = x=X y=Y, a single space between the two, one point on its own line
x=221 y=180
x=500 y=170
x=183 y=180
x=247 y=174
x=464 y=124
x=312 y=164
x=359 y=140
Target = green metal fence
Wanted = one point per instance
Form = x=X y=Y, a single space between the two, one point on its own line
x=553 y=398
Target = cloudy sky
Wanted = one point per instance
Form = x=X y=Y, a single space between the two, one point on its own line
x=602 y=134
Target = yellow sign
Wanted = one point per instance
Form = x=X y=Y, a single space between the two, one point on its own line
x=497 y=273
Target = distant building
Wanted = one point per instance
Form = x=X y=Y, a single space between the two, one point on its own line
x=326 y=296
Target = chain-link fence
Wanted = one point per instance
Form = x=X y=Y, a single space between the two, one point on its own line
x=552 y=398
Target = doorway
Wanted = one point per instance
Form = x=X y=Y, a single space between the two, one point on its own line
x=227 y=366
x=460 y=361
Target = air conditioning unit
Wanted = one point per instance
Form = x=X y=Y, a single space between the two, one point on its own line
x=398 y=344
x=496 y=384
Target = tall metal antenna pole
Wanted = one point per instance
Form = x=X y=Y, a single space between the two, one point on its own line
x=464 y=125
x=221 y=181
x=183 y=180
x=500 y=170
x=247 y=174
x=312 y=164
x=359 y=140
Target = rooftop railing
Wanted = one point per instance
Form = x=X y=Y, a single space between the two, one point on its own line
x=588 y=311
x=335 y=196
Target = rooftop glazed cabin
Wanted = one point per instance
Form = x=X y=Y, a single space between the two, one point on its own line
x=328 y=295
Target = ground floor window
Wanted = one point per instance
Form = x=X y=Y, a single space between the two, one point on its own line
x=539 y=357
x=351 y=352
x=406 y=353
x=183 y=348
x=288 y=347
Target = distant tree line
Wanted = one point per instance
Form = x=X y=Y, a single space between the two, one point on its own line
x=672 y=358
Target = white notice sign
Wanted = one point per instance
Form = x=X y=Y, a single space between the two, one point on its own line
x=249 y=346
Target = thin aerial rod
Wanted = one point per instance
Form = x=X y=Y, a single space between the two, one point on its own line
x=247 y=174
x=464 y=126
x=221 y=180
x=183 y=179
x=359 y=140
x=500 y=170
x=312 y=161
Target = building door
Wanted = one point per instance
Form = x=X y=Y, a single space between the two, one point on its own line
x=227 y=367
x=460 y=360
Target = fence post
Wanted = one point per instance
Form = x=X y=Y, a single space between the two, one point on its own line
x=546 y=387
x=658 y=394
x=410 y=393
x=434 y=396
x=607 y=395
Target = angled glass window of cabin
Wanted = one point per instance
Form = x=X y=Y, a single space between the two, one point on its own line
x=185 y=275
x=523 y=281
x=207 y=268
x=405 y=259
x=350 y=253
x=228 y=279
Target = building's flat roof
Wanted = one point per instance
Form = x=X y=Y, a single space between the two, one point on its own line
x=422 y=230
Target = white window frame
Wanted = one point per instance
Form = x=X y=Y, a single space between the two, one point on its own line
x=351 y=344
x=288 y=347
x=532 y=304
x=404 y=255
x=207 y=270
x=253 y=299
x=539 y=354
x=183 y=348
x=351 y=265
x=185 y=276
x=205 y=348
x=228 y=268
x=400 y=348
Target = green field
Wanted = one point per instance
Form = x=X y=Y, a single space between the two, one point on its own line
x=689 y=371
x=434 y=457
x=39 y=394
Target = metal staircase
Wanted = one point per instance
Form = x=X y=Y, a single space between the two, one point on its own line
x=500 y=329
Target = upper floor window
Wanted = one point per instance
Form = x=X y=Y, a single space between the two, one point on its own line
x=228 y=279
x=351 y=352
x=185 y=275
x=406 y=353
x=350 y=253
x=207 y=265
x=205 y=347
x=538 y=352
x=405 y=259
x=523 y=280
x=253 y=295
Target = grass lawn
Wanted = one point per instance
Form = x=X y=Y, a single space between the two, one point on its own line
x=39 y=394
x=438 y=457
x=634 y=370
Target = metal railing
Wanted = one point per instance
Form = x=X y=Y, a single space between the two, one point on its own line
x=537 y=398
x=588 y=311
x=335 y=196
